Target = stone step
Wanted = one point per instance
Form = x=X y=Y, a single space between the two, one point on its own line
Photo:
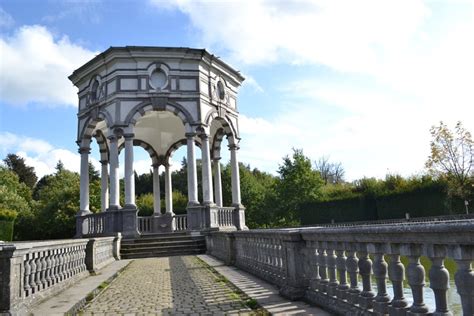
x=143 y=240
x=168 y=253
x=189 y=245
x=159 y=245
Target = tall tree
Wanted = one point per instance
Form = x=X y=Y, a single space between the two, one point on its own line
x=331 y=172
x=25 y=173
x=298 y=183
x=452 y=156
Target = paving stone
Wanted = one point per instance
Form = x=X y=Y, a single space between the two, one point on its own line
x=167 y=286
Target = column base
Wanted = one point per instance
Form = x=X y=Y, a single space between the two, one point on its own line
x=83 y=213
x=239 y=217
x=164 y=223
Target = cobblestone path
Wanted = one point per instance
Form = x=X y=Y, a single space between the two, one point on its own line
x=167 y=286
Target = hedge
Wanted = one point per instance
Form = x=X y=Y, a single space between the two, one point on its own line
x=430 y=201
x=6 y=230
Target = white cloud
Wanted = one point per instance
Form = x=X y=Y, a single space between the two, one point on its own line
x=44 y=157
x=396 y=68
x=35 y=66
x=6 y=20
x=40 y=154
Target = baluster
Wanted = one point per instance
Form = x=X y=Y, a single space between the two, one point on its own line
x=439 y=278
x=352 y=263
x=44 y=269
x=314 y=272
x=27 y=272
x=49 y=266
x=61 y=265
x=331 y=265
x=39 y=267
x=396 y=274
x=275 y=259
x=33 y=285
x=83 y=257
x=76 y=260
x=366 y=297
x=54 y=266
x=343 y=287
x=416 y=280
x=322 y=269
x=67 y=262
x=380 y=272
x=464 y=278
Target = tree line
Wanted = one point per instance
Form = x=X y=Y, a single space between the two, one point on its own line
x=46 y=209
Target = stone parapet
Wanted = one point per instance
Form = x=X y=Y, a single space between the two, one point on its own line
x=346 y=269
x=33 y=271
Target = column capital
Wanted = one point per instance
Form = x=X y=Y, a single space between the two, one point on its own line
x=129 y=136
x=84 y=150
x=156 y=165
x=103 y=162
x=234 y=147
x=113 y=138
x=216 y=159
x=203 y=136
x=188 y=135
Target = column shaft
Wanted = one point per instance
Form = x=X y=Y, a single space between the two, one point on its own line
x=206 y=171
x=192 y=174
x=168 y=190
x=156 y=191
x=104 y=185
x=114 y=174
x=84 y=192
x=217 y=182
x=235 y=175
x=129 y=174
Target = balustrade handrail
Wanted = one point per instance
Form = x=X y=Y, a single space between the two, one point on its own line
x=325 y=264
x=423 y=219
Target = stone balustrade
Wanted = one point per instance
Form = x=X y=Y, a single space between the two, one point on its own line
x=107 y=223
x=225 y=217
x=346 y=270
x=33 y=271
x=180 y=222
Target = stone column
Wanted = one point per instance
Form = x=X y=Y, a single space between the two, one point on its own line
x=168 y=190
x=217 y=181
x=192 y=174
x=114 y=174
x=235 y=175
x=84 y=192
x=207 y=191
x=129 y=174
x=156 y=191
x=104 y=185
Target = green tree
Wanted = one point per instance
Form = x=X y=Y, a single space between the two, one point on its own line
x=452 y=157
x=57 y=205
x=298 y=183
x=16 y=196
x=145 y=204
x=25 y=173
x=93 y=173
x=257 y=193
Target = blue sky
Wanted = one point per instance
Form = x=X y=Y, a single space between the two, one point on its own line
x=358 y=81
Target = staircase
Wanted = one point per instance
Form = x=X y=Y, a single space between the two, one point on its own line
x=162 y=245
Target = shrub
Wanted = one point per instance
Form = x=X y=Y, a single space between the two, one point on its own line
x=7 y=218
